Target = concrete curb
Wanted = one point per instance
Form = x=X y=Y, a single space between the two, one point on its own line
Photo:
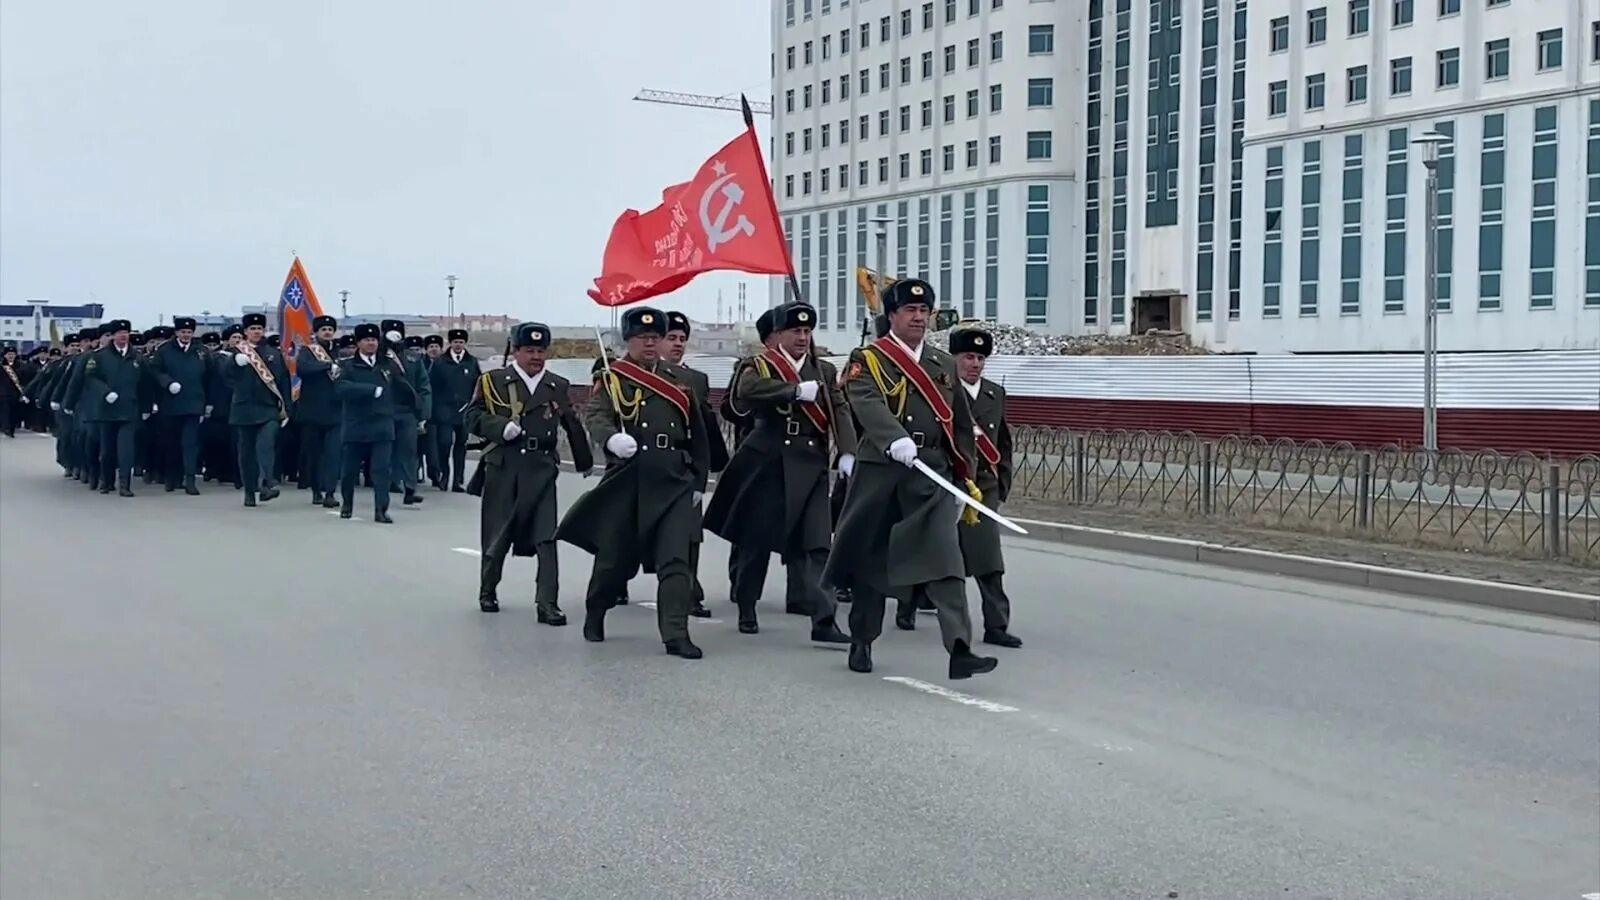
x=1475 y=592
x=1514 y=597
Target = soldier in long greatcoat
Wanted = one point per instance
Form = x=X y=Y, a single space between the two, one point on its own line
x=642 y=513
x=773 y=498
x=672 y=350
x=897 y=530
x=521 y=411
x=743 y=422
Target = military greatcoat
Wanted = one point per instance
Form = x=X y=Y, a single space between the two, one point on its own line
x=897 y=527
x=774 y=493
x=643 y=508
x=980 y=543
x=517 y=478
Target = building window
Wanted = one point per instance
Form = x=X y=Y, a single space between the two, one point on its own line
x=805 y=184
x=947 y=156
x=1241 y=90
x=974 y=53
x=905 y=166
x=1491 y=227
x=1360 y=18
x=844 y=41
x=864 y=38
x=905 y=23
x=1317 y=25
x=1161 y=141
x=863 y=82
x=950 y=59
x=1447 y=215
x=1272 y=249
x=788 y=143
x=883 y=122
x=949 y=11
x=1041 y=92
x=1355 y=84
x=1310 y=225
x=1449 y=8
x=927 y=64
x=788 y=100
x=994 y=150
x=1550 y=50
x=788 y=13
x=788 y=58
x=1350 y=227
x=842 y=271
x=827 y=90
x=1542 y=227
x=805 y=92
x=883 y=170
x=1396 y=177
x=991 y=273
x=1039 y=145
x=824 y=132
x=823 y=261
x=1447 y=72
x=1279 y=35
x=805 y=259
x=827 y=46
x=1206 y=197
x=1036 y=270
x=1403 y=11
x=972 y=154
x=1277 y=98
x=883 y=30
x=947 y=234
x=949 y=108
x=1591 y=219
x=883 y=76
x=905 y=119
x=844 y=86
x=997 y=46
x=808 y=53
x=861 y=255
x=1121 y=100
x=1594 y=41
x=927 y=16
x=1041 y=40
x=1400 y=76
x=1497 y=58
x=902 y=238
x=926 y=112
x=925 y=161
x=862 y=173
x=905 y=70
x=996 y=95
x=844 y=131
x=1316 y=91
x=972 y=103
x=924 y=234
x=969 y=253
x=805 y=141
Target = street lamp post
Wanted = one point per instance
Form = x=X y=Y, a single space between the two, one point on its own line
x=1428 y=144
x=882 y=223
x=450 y=299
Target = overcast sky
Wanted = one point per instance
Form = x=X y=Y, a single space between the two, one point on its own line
x=169 y=157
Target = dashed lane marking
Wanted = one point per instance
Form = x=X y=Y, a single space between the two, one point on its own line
x=466 y=551
x=946 y=693
x=1594 y=896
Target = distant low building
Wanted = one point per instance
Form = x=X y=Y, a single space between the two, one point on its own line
x=28 y=324
x=475 y=323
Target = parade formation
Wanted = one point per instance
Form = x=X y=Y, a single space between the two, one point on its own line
x=846 y=476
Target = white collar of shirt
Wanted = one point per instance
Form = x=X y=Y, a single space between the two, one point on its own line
x=797 y=363
x=916 y=352
x=369 y=360
x=457 y=357
x=973 y=387
x=183 y=347
x=531 y=381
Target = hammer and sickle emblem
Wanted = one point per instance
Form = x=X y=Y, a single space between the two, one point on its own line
x=717 y=229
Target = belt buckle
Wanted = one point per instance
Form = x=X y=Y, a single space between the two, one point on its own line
x=919 y=438
x=663 y=440
x=791 y=427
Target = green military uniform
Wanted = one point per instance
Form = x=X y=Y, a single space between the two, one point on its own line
x=114 y=377
x=642 y=513
x=716 y=447
x=517 y=473
x=897 y=530
x=773 y=498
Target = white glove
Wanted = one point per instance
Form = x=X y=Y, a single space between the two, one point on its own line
x=144 y=416
x=393 y=336
x=622 y=446
x=154 y=407
x=240 y=360
x=903 y=451
x=847 y=464
x=174 y=387
x=422 y=428
x=511 y=432
x=806 y=391
x=696 y=497
x=26 y=401
x=377 y=392
x=112 y=397
x=208 y=409
x=54 y=406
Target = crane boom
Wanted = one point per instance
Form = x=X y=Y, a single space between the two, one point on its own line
x=700 y=101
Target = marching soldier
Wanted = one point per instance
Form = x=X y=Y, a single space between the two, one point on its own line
x=181 y=369
x=841 y=486
x=520 y=411
x=413 y=396
x=672 y=351
x=318 y=412
x=743 y=421
x=898 y=527
x=11 y=406
x=454 y=375
x=367 y=423
x=799 y=413
x=220 y=444
x=259 y=407
x=428 y=441
x=642 y=512
x=109 y=383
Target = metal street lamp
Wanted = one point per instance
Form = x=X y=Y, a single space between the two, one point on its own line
x=450 y=299
x=1428 y=144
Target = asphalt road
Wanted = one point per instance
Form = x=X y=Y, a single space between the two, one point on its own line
x=198 y=700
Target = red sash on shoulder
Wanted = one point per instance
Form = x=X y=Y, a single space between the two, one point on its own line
x=918 y=376
x=986 y=447
x=812 y=409
x=666 y=390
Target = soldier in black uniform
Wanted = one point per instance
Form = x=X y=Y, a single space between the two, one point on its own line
x=317 y=411
x=454 y=375
x=260 y=381
x=774 y=496
x=428 y=441
x=110 y=379
x=521 y=411
x=219 y=444
x=413 y=404
x=643 y=510
x=12 y=408
x=181 y=368
x=367 y=424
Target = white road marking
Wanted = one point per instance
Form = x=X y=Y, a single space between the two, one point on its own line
x=466 y=551
x=1594 y=896
x=946 y=693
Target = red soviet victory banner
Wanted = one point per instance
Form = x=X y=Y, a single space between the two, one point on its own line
x=723 y=218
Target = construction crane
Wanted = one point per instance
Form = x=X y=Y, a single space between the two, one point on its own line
x=700 y=101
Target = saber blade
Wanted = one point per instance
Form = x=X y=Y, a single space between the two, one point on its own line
x=965 y=497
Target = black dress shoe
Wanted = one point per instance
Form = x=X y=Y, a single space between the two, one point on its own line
x=964 y=664
x=683 y=648
x=488 y=604
x=827 y=632
x=594 y=627
x=749 y=627
x=699 y=611
x=455 y=489
x=905 y=621
x=1001 y=638
x=124 y=492
x=860 y=656
x=270 y=493
x=412 y=498
x=382 y=518
x=249 y=499
x=843 y=595
x=330 y=502
x=346 y=511
x=169 y=488
x=552 y=616
x=190 y=488
x=621 y=600
x=105 y=488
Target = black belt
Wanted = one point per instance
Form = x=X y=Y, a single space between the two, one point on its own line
x=660 y=441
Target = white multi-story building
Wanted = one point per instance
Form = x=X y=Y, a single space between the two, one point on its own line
x=1004 y=143
x=1335 y=198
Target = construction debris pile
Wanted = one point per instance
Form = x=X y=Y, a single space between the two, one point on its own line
x=1011 y=340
